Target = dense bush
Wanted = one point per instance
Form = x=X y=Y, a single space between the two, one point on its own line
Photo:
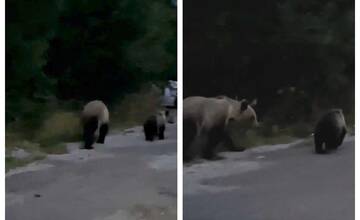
x=296 y=57
x=84 y=50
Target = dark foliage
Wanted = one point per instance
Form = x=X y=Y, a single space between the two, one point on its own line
x=84 y=50
x=296 y=57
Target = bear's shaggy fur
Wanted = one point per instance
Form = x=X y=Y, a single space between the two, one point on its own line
x=205 y=122
x=95 y=116
x=155 y=126
x=330 y=130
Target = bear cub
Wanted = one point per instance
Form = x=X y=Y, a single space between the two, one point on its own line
x=154 y=126
x=330 y=130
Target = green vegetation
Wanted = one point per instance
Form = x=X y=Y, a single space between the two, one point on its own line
x=62 y=53
x=61 y=124
x=295 y=57
x=31 y=149
x=84 y=50
x=270 y=135
x=133 y=109
x=12 y=163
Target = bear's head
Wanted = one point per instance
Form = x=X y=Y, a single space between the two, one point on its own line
x=161 y=116
x=241 y=112
x=171 y=115
x=245 y=113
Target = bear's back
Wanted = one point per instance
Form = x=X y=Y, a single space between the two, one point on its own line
x=332 y=121
x=161 y=118
x=208 y=111
x=96 y=108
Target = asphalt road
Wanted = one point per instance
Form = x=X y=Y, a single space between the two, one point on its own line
x=284 y=182
x=127 y=178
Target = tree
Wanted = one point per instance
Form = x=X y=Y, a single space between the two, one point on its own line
x=29 y=26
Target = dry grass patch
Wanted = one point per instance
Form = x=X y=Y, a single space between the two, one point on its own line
x=135 y=108
x=59 y=127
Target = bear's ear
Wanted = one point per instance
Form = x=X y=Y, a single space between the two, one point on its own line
x=220 y=97
x=244 y=105
x=253 y=103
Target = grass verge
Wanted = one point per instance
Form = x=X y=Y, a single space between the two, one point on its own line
x=12 y=163
x=47 y=133
x=133 y=109
x=268 y=134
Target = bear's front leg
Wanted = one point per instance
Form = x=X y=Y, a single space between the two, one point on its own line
x=209 y=150
x=161 y=132
x=229 y=144
x=102 y=133
x=319 y=146
x=89 y=129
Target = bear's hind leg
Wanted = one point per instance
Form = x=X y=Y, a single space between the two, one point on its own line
x=88 y=132
x=104 y=128
x=161 y=132
x=319 y=146
x=229 y=144
x=149 y=136
x=330 y=146
x=88 y=141
x=341 y=139
x=189 y=131
x=150 y=130
x=209 y=150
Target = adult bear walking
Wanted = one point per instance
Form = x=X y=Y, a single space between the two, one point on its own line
x=331 y=130
x=95 y=116
x=206 y=121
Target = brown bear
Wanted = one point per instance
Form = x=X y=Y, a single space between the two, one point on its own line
x=95 y=116
x=154 y=126
x=205 y=122
x=331 y=130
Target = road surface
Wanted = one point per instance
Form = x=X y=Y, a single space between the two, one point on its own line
x=283 y=182
x=127 y=178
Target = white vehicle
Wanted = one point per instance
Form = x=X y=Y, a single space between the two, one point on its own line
x=169 y=101
x=170 y=95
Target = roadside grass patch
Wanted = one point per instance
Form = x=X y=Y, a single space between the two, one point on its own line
x=49 y=138
x=12 y=163
x=59 y=123
x=268 y=134
x=28 y=146
x=134 y=108
x=32 y=153
x=350 y=123
x=55 y=148
x=59 y=127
